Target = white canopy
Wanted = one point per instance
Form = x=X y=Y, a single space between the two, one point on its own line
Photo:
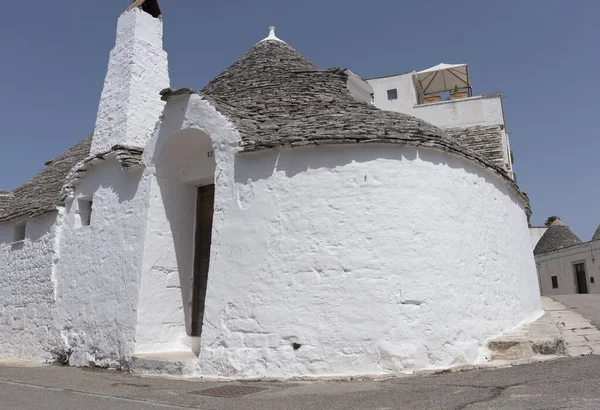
x=444 y=77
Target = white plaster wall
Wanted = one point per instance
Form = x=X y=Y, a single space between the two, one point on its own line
x=478 y=110
x=407 y=95
x=375 y=259
x=536 y=233
x=130 y=103
x=27 y=302
x=100 y=266
x=560 y=263
x=166 y=288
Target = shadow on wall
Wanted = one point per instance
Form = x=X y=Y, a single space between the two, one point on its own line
x=292 y=161
x=185 y=162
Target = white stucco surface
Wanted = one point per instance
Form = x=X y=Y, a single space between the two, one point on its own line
x=100 y=266
x=330 y=248
x=137 y=71
x=27 y=304
x=561 y=264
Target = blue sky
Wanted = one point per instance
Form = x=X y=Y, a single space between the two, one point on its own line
x=541 y=55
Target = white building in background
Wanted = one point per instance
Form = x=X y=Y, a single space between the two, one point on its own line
x=442 y=95
x=565 y=264
x=275 y=224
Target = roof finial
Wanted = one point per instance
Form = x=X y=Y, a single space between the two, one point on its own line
x=272 y=35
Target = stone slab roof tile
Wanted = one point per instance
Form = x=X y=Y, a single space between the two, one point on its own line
x=484 y=140
x=558 y=236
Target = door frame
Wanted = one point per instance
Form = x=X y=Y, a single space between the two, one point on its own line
x=585 y=277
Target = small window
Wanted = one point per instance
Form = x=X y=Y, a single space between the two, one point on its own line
x=554 y=282
x=392 y=94
x=19 y=231
x=591 y=279
x=85 y=211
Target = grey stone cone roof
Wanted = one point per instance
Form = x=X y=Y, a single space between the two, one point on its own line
x=6 y=199
x=274 y=96
x=558 y=236
x=596 y=236
x=42 y=193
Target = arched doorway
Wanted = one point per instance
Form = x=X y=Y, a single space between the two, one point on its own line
x=178 y=243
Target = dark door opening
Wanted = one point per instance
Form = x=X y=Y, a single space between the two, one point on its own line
x=581 y=279
x=202 y=242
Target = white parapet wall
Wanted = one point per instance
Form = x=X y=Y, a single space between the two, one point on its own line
x=473 y=111
x=27 y=289
x=130 y=104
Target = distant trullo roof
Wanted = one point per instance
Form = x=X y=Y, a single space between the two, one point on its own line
x=41 y=194
x=558 y=236
x=596 y=236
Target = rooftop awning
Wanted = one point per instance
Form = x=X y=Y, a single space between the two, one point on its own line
x=444 y=77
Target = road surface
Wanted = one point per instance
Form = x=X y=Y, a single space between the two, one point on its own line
x=570 y=383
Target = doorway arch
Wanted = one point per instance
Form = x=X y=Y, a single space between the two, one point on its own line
x=177 y=248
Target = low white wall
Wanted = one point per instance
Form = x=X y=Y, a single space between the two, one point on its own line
x=100 y=266
x=371 y=259
x=27 y=302
x=560 y=264
x=478 y=110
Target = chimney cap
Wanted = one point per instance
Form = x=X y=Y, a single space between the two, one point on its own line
x=149 y=6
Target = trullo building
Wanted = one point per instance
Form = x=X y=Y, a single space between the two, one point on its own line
x=275 y=223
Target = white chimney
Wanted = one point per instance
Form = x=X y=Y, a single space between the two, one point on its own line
x=138 y=70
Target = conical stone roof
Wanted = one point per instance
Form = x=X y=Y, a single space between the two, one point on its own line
x=276 y=97
x=558 y=236
x=596 y=236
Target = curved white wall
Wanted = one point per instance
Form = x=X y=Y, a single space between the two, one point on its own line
x=375 y=259
x=372 y=259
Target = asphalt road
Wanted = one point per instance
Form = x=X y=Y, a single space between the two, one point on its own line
x=571 y=383
x=587 y=306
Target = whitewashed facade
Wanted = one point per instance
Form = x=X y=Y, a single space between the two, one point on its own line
x=338 y=253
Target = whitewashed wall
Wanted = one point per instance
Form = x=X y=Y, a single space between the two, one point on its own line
x=407 y=95
x=100 y=266
x=560 y=264
x=374 y=259
x=27 y=304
